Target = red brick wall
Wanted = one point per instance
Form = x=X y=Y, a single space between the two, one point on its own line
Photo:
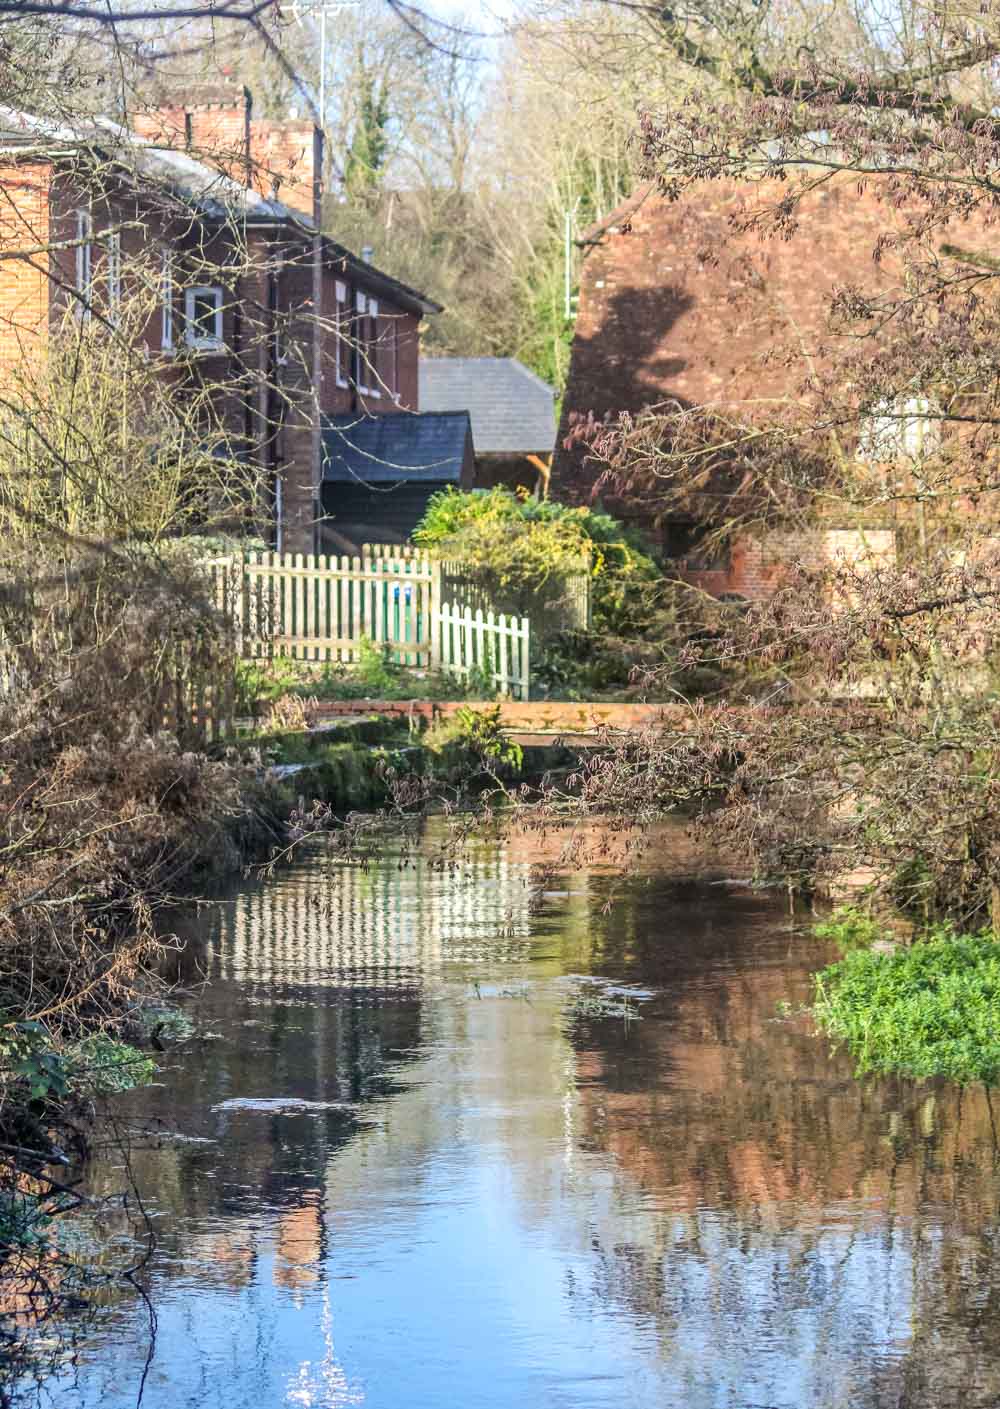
x=394 y=323
x=676 y=306
x=24 y=283
x=756 y=564
x=280 y=160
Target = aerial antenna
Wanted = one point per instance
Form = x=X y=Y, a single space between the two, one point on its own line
x=302 y=10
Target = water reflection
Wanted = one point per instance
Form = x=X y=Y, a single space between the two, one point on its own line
x=487 y=1203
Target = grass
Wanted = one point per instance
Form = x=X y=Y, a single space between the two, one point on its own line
x=932 y=1009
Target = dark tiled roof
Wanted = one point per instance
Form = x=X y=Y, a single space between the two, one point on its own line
x=512 y=410
x=399 y=446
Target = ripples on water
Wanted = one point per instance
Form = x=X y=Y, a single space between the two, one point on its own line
x=409 y=1180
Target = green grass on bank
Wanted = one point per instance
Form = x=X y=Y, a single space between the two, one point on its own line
x=930 y=1009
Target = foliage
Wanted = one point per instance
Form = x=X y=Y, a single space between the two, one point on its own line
x=369 y=142
x=95 y=443
x=479 y=173
x=481 y=730
x=260 y=682
x=929 y=1010
x=478 y=732
x=517 y=546
x=850 y=928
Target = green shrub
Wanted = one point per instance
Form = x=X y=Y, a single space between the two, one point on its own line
x=932 y=1009
x=850 y=928
x=478 y=732
x=516 y=546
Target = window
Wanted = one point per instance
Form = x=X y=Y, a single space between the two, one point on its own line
x=203 y=318
x=692 y=548
x=167 y=298
x=84 y=262
x=904 y=429
x=367 y=345
x=343 y=336
x=113 y=273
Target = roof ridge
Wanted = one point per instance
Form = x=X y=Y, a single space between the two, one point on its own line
x=621 y=212
x=509 y=361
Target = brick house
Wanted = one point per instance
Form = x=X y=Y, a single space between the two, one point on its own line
x=215 y=210
x=675 y=306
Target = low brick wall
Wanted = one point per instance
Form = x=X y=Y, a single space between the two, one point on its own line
x=537 y=717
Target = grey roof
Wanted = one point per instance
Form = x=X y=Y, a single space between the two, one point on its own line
x=512 y=410
x=398 y=446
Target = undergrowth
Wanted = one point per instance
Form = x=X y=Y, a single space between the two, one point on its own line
x=930 y=1009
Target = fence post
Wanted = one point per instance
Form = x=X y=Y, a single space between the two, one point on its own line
x=435 y=608
x=526 y=660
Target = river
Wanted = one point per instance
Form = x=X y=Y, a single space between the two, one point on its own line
x=432 y=1148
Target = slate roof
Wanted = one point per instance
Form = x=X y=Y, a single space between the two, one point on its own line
x=512 y=410
x=401 y=446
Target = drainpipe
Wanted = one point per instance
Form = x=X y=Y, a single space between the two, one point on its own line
x=273 y=402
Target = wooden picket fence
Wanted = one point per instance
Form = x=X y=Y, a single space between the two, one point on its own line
x=319 y=608
x=323 y=609
x=494 y=649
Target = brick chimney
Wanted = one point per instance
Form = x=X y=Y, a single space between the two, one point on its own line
x=216 y=125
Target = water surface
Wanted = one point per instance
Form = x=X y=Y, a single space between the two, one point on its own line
x=410 y=1177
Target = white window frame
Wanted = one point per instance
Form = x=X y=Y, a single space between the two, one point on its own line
x=203 y=344
x=343 y=317
x=905 y=429
x=166 y=299
x=84 y=262
x=367 y=308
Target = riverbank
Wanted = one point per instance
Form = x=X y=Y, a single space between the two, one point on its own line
x=927 y=1008
x=86 y=1010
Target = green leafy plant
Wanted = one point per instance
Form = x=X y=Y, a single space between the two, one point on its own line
x=482 y=732
x=101 y=1065
x=96 y=1065
x=260 y=683
x=374 y=668
x=517 y=547
x=932 y=1009
x=850 y=928
x=479 y=732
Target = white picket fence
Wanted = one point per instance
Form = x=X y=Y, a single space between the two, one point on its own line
x=496 y=650
x=318 y=608
x=322 y=609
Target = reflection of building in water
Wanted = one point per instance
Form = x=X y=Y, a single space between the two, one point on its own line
x=299 y=1245
x=777 y=1193
x=377 y=928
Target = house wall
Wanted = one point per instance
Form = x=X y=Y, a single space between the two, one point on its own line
x=677 y=306
x=24 y=283
x=756 y=564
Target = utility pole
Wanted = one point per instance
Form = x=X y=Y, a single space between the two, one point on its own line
x=567 y=262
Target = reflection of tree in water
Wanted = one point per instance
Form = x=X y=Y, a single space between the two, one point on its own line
x=849 y=1226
